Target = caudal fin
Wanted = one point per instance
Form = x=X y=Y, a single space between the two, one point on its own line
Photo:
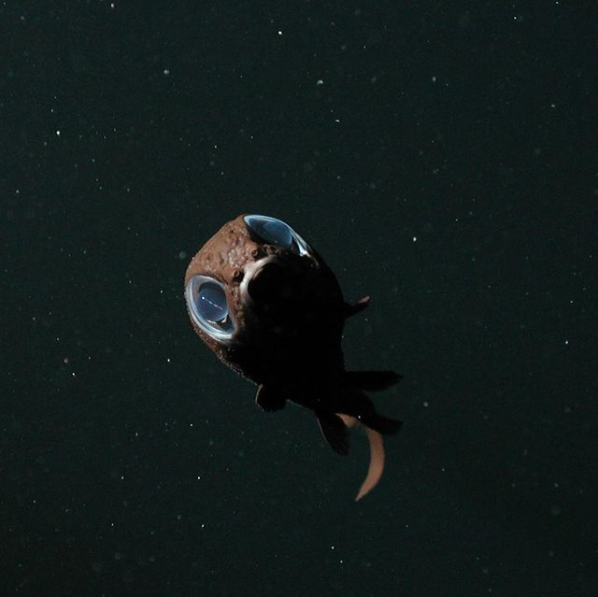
x=357 y=404
x=385 y=425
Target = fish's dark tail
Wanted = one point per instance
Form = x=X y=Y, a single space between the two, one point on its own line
x=352 y=401
x=358 y=405
x=387 y=426
x=371 y=381
x=366 y=414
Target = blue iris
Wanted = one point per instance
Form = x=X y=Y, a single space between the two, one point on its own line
x=211 y=302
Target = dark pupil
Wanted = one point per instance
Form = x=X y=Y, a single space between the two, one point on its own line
x=211 y=302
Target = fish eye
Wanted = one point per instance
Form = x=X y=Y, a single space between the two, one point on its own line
x=208 y=305
x=276 y=232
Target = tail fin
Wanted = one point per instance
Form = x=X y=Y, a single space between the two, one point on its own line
x=385 y=425
x=354 y=402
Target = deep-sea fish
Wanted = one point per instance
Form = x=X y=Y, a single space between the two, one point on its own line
x=270 y=308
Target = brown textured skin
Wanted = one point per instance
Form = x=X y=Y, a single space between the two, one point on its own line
x=224 y=257
x=299 y=353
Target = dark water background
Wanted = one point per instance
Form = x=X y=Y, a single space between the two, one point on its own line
x=441 y=156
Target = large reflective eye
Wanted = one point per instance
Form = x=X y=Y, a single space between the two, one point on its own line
x=208 y=305
x=276 y=232
x=211 y=302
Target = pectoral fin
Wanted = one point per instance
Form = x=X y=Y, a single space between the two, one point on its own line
x=351 y=310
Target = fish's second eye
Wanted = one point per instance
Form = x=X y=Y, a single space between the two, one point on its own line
x=276 y=232
x=208 y=305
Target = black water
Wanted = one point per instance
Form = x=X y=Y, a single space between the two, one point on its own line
x=441 y=156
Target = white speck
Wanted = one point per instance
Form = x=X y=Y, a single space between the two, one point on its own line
x=280 y=33
x=426 y=404
x=414 y=239
x=320 y=82
x=566 y=342
x=57 y=133
x=166 y=72
x=434 y=79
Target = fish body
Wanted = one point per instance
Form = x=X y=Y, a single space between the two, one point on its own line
x=271 y=309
